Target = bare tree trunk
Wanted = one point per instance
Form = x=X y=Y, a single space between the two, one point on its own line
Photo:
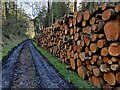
x=75 y=5
x=6 y=9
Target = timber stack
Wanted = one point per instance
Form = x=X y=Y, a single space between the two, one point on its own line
x=89 y=43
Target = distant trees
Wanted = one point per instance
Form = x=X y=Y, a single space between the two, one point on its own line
x=55 y=11
x=14 y=19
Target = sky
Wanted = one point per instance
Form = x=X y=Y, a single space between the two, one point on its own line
x=28 y=10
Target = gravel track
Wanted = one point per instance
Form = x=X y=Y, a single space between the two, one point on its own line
x=27 y=68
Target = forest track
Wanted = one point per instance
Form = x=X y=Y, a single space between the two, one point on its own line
x=27 y=68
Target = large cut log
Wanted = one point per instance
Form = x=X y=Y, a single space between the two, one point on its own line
x=82 y=72
x=110 y=78
x=118 y=77
x=114 y=49
x=97 y=81
x=112 y=30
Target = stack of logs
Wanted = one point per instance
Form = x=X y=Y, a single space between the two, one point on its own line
x=89 y=43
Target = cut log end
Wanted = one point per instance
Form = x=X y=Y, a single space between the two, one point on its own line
x=82 y=72
x=109 y=78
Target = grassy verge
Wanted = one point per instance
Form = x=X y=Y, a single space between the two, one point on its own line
x=10 y=43
x=68 y=74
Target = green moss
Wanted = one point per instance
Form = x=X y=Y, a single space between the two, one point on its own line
x=61 y=67
x=10 y=43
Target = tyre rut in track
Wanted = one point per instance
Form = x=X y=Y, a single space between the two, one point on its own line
x=25 y=75
x=49 y=77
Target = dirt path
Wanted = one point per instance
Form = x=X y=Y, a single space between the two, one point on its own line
x=25 y=75
x=27 y=68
